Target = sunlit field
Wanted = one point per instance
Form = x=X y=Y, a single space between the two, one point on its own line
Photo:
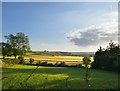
x=59 y=45
x=70 y=60
x=55 y=58
x=52 y=58
x=34 y=77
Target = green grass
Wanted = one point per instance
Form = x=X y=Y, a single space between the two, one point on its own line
x=16 y=77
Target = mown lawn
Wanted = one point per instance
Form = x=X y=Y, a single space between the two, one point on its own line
x=21 y=77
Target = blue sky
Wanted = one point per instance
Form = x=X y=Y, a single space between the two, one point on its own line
x=52 y=26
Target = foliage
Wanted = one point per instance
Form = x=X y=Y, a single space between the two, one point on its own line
x=62 y=64
x=86 y=62
x=6 y=49
x=19 y=43
x=44 y=63
x=38 y=63
x=21 y=58
x=50 y=64
x=87 y=65
x=79 y=65
x=7 y=62
x=107 y=58
x=57 y=63
x=31 y=60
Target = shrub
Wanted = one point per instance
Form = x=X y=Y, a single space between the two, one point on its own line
x=8 y=62
x=50 y=64
x=38 y=63
x=15 y=61
x=79 y=66
x=63 y=64
x=44 y=63
x=31 y=60
x=21 y=60
x=57 y=64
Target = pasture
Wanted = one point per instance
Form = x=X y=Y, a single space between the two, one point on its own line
x=41 y=77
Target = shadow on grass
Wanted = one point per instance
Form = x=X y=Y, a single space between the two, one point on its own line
x=56 y=84
x=50 y=71
x=68 y=82
x=42 y=69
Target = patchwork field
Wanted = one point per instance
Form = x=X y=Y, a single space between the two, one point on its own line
x=70 y=60
x=41 y=77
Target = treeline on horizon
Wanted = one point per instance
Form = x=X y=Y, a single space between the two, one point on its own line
x=58 y=53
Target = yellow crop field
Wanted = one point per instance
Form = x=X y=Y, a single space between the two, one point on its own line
x=56 y=58
x=53 y=58
x=70 y=60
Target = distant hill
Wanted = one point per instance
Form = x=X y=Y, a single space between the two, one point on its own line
x=54 y=53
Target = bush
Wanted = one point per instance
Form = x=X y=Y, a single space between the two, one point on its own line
x=63 y=64
x=21 y=60
x=31 y=60
x=57 y=64
x=38 y=63
x=8 y=62
x=60 y=64
x=15 y=61
x=79 y=66
x=44 y=63
x=50 y=64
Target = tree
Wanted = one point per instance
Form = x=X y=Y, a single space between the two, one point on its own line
x=87 y=65
x=108 y=58
x=19 y=43
x=6 y=49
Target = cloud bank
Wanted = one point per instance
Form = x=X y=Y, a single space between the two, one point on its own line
x=95 y=34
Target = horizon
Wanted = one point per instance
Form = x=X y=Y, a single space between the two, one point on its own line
x=64 y=51
x=62 y=26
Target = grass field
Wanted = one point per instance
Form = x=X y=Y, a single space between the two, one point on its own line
x=33 y=77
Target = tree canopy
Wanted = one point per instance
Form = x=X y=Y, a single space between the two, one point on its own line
x=107 y=58
x=19 y=43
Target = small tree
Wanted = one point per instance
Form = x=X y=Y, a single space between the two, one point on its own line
x=87 y=65
x=31 y=60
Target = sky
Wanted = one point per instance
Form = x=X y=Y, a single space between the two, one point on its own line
x=62 y=26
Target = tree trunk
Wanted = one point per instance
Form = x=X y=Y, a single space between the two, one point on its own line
x=15 y=56
x=3 y=57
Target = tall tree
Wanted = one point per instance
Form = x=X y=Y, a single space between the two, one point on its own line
x=19 y=43
x=108 y=58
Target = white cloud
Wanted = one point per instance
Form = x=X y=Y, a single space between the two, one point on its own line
x=114 y=13
x=99 y=34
